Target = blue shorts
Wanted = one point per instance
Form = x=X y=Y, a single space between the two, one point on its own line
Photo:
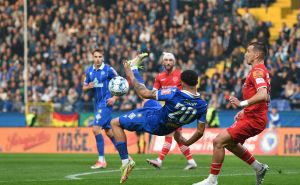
x=103 y=117
x=146 y=119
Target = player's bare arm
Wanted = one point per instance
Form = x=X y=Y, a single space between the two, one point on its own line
x=87 y=87
x=140 y=89
x=261 y=95
x=195 y=137
x=111 y=101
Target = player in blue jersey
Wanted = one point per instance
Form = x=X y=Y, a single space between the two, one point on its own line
x=181 y=107
x=97 y=78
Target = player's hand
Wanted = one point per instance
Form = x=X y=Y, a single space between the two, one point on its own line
x=234 y=101
x=111 y=101
x=91 y=85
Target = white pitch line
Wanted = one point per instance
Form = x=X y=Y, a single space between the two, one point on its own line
x=75 y=176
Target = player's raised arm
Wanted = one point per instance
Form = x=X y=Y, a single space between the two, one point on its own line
x=195 y=137
x=140 y=88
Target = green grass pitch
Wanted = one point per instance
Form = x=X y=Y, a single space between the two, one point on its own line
x=74 y=169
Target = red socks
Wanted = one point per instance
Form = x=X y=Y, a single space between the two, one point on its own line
x=215 y=168
x=166 y=148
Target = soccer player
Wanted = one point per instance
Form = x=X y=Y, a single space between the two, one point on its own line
x=170 y=77
x=249 y=122
x=97 y=79
x=181 y=107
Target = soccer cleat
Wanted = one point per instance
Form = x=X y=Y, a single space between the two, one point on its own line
x=206 y=182
x=154 y=163
x=125 y=170
x=99 y=164
x=136 y=62
x=191 y=165
x=261 y=174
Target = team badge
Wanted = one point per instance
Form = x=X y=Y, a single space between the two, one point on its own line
x=131 y=116
x=258 y=74
x=102 y=73
x=98 y=116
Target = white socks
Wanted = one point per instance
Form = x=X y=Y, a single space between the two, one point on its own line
x=191 y=161
x=101 y=159
x=256 y=165
x=125 y=161
x=212 y=178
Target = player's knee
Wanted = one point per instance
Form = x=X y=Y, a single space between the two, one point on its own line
x=109 y=133
x=96 y=130
x=217 y=142
x=115 y=122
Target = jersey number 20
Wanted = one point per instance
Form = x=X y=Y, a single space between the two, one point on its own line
x=184 y=114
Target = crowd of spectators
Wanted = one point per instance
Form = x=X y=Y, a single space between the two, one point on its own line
x=200 y=33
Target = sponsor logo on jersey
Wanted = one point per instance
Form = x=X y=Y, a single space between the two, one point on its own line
x=165 y=91
x=259 y=80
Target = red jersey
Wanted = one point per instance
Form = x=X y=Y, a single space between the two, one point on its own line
x=165 y=80
x=257 y=78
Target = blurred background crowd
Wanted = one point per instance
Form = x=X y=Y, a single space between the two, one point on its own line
x=200 y=33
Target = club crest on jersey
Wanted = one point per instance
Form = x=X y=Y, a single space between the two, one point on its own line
x=98 y=116
x=258 y=74
x=131 y=116
x=165 y=91
x=102 y=72
x=175 y=79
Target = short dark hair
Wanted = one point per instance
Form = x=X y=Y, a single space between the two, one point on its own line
x=189 y=77
x=97 y=50
x=260 y=47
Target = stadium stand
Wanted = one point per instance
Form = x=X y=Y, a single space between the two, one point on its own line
x=207 y=36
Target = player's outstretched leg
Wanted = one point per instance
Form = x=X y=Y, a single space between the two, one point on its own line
x=126 y=169
x=121 y=145
x=136 y=62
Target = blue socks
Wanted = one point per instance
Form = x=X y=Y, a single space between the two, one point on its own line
x=100 y=144
x=122 y=149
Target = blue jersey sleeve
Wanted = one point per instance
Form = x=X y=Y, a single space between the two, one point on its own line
x=112 y=73
x=87 y=78
x=202 y=118
x=166 y=94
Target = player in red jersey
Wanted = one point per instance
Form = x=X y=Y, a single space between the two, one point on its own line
x=170 y=77
x=249 y=122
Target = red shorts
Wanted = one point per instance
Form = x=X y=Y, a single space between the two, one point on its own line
x=245 y=128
